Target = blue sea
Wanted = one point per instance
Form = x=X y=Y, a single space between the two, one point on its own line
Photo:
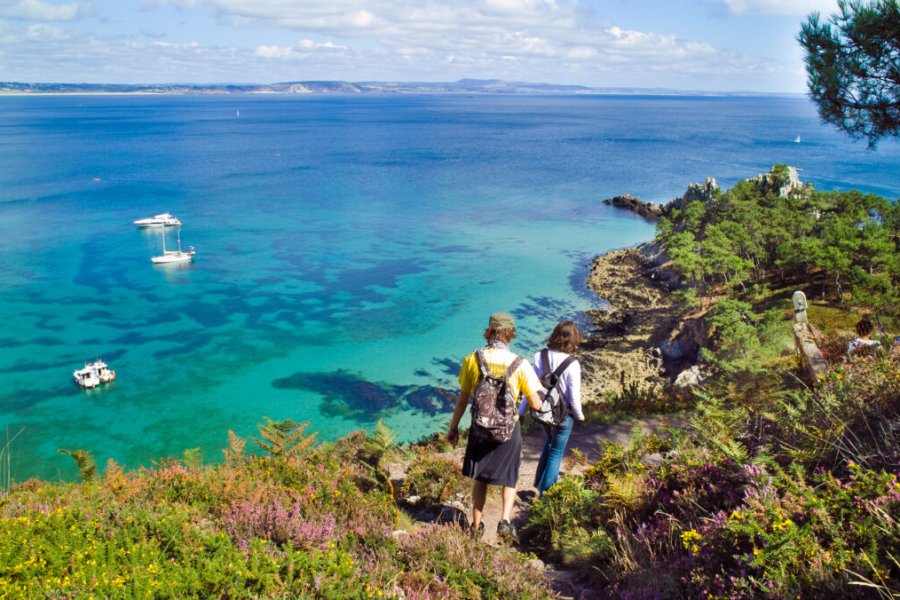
x=349 y=248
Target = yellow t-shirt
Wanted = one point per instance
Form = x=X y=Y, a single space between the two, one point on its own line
x=523 y=381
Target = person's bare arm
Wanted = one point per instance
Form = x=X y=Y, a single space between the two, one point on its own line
x=534 y=401
x=458 y=411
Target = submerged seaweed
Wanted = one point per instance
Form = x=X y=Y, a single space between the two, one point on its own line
x=353 y=397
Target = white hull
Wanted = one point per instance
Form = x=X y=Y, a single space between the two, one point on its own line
x=157 y=224
x=86 y=378
x=173 y=256
x=163 y=220
x=93 y=374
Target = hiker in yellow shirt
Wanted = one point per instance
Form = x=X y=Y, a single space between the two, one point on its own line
x=487 y=461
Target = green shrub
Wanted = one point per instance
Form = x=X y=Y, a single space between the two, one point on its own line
x=563 y=521
x=434 y=478
x=300 y=522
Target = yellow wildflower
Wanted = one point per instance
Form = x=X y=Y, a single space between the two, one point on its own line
x=690 y=539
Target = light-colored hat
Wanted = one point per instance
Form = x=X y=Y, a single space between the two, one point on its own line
x=502 y=320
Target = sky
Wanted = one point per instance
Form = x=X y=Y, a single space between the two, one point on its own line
x=708 y=45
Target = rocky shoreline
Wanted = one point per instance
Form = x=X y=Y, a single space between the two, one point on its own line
x=620 y=348
x=643 y=338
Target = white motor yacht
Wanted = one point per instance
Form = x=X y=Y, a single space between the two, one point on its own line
x=163 y=220
x=86 y=377
x=93 y=374
x=104 y=373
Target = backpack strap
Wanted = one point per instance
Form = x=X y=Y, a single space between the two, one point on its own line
x=545 y=360
x=512 y=368
x=486 y=372
x=563 y=366
x=545 y=364
x=482 y=364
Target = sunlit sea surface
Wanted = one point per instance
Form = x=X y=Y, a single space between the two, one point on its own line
x=349 y=248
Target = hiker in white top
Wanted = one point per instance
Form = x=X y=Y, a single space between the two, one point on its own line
x=863 y=339
x=564 y=340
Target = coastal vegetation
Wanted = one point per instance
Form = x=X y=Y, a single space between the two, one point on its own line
x=296 y=520
x=774 y=486
x=777 y=487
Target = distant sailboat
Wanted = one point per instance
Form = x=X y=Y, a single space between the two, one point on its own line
x=173 y=256
x=797 y=140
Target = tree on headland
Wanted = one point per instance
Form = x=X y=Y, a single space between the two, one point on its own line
x=853 y=67
x=847 y=242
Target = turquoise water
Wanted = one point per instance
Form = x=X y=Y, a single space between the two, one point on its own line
x=349 y=248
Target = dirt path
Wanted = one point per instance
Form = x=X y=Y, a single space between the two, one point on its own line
x=586 y=439
x=639 y=317
x=617 y=350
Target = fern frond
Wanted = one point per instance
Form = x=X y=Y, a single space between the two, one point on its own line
x=378 y=443
x=193 y=458
x=87 y=465
x=285 y=438
x=624 y=492
x=235 y=451
x=113 y=469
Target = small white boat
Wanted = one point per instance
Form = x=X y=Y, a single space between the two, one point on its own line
x=797 y=140
x=173 y=256
x=86 y=378
x=104 y=373
x=163 y=220
x=93 y=374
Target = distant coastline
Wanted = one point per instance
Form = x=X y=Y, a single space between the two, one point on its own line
x=463 y=86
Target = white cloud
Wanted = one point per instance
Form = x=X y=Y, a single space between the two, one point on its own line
x=781 y=8
x=518 y=40
x=38 y=10
x=352 y=17
x=46 y=32
x=311 y=45
x=302 y=50
x=277 y=52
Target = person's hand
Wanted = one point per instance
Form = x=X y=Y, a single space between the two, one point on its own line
x=453 y=436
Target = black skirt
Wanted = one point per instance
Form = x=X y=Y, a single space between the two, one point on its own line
x=492 y=462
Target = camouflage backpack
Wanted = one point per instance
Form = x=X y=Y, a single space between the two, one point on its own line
x=494 y=408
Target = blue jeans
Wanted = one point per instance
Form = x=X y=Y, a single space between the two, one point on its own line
x=551 y=457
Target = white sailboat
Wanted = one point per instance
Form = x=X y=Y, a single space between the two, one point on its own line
x=173 y=256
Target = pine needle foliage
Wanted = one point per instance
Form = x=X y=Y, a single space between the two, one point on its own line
x=852 y=67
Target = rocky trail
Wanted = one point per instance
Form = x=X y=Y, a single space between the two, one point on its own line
x=618 y=350
x=586 y=439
